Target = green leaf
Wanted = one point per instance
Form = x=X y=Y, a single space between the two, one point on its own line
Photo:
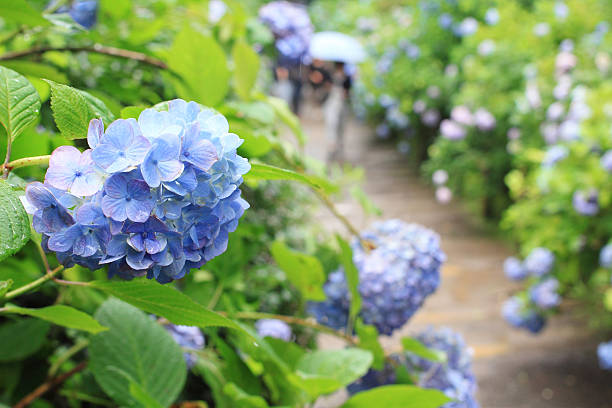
x=61 y=315
x=164 y=301
x=73 y=109
x=132 y=112
x=246 y=68
x=5 y=285
x=303 y=271
x=397 y=396
x=22 y=338
x=419 y=349
x=364 y=201
x=20 y=12
x=368 y=340
x=324 y=371
x=242 y=399
x=608 y=299
x=14 y=222
x=202 y=65
x=135 y=352
x=19 y=102
x=260 y=171
x=286 y=116
x=352 y=277
x=36 y=69
x=143 y=397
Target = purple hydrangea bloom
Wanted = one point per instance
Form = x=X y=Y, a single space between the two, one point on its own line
x=167 y=206
x=439 y=177
x=452 y=130
x=518 y=313
x=586 y=203
x=554 y=154
x=395 y=277
x=604 y=353
x=544 y=294
x=187 y=337
x=605 y=256
x=514 y=269
x=484 y=120
x=606 y=161
x=539 y=262
x=462 y=115
x=83 y=12
x=273 y=328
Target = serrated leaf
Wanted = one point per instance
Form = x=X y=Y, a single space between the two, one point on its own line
x=260 y=171
x=22 y=338
x=246 y=68
x=19 y=11
x=397 y=396
x=19 y=102
x=14 y=222
x=417 y=348
x=73 y=109
x=352 y=276
x=164 y=301
x=368 y=340
x=137 y=350
x=303 y=271
x=201 y=63
x=61 y=315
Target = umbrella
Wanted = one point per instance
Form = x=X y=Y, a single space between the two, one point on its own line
x=334 y=46
x=291 y=26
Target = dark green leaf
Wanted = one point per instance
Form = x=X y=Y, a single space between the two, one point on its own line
x=20 y=12
x=143 y=397
x=242 y=399
x=61 y=315
x=19 y=102
x=36 y=69
x=352 y=276
x=397 y=396
x=303 y=271
x=246 y=68
x=419 y=349
x=14 y=222
x=22 y=338
x=135 y=350
x=5 y=285
x=260 y=171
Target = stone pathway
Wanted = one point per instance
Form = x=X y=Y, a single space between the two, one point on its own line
x=557 y=369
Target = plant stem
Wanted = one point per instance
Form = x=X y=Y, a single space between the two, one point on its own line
x=48 y=385
x=78 y=346
x=5 y=169
x=26 y=161
x=294 y=320
x=34 y=284
x=96 y=48
x=216 y=296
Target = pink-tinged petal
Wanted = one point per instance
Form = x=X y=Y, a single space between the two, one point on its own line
x=138 y=211
x=116 y=186
x=202 y=155
x=114 y=208
x=85 y=161
x=169 y=170
x=65 y=156
x=95 y=132
x=119 y=134
x=60 y=177
x=138 y=150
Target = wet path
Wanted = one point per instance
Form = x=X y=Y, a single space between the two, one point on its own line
x=556 y=369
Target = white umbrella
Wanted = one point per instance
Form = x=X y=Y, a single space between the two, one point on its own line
x=334 y=46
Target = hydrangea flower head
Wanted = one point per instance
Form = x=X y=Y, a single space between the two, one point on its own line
x=484 y=120
x=154 y=197
x=187 y=337
x=439 y=177
x=586 y=202
x=517 y=312
x=606 y=161
x=273 y=328
x=395 y=277
x=452 y=130
x=604 y=353
x=554 y=154
x=605 y=256
x=544 y=294
x=540 y=261
x=514 y=269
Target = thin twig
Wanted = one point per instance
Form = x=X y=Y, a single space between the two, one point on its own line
x=34 y=284
x=48 y=385
x=96 y=48
x=71 y=352
x=43 y=257
x=216 y=296
x=70 y=283
x=27 y=161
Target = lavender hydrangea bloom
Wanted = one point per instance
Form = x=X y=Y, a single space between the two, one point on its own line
x=187 y=337
x=540 y=261
x=604 y=353
x=605 y=256
x=273 y=328
x=586 y=203
x=514 y=269
x=606 y=161
x=439 y=177
x=166 y=207
x=484 y=120
x=452 y=130
x=544 y=294
x=554 y=154
x=518 y=313
x=395 y=277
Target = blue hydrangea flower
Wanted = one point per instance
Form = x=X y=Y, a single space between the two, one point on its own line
x=273 y=328
x=606 y=161
x=83 y=12
x=539 y=262
x=544 y=294
x=73 y=171
x=514 y=269
x=586 y=203
x=492 y=16
x=554 y=154
x=605 y=256
x=394 y=278
x=168 y=203
x=604 y=353
x=519 y=314
x=187 y=337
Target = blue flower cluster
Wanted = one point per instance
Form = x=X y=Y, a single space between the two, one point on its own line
x=526 y=311
x=187 y=337
x=83 y=12
x=154 y=197
x=273 y=328
x=454 y=377
x=604 y=352
x=605 y=256
x=395 y=277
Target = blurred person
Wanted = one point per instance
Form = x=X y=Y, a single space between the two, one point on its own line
x=282 y=87
x=318 y=79
x=335 y=110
